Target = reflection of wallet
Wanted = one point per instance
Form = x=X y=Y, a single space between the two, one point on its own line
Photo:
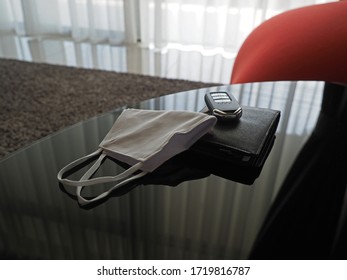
x=245 y=143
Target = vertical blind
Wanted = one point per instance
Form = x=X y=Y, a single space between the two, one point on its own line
x=206 y=23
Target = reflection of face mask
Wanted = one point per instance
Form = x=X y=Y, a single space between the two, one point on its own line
x=144 y=139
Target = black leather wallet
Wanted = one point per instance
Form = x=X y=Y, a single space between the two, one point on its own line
x=244 y=143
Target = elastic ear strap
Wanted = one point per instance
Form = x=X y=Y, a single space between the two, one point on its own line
x=84 y=201
x=75 y=164
x=101 y=180
x=94 y=168
x=86 y=181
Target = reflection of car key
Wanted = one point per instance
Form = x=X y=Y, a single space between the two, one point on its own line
x=223 y=105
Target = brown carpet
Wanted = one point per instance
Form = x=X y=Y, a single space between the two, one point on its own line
x=38 y=99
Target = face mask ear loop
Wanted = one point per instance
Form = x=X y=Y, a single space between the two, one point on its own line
x=84 y=201
x=75 y=164
x=94 y=168
x=88 y=182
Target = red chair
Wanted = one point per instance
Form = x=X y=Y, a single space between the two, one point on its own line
x=309 y=43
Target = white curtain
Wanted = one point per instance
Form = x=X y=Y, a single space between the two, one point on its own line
x=188 y=39
x=78 y=19
x=200 y=23
x=207 y=23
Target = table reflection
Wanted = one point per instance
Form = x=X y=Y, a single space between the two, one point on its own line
x=209 y=217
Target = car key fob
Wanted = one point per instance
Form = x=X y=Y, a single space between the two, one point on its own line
x=223 y=105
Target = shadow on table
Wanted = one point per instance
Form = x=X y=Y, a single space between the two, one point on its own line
x=186 y=166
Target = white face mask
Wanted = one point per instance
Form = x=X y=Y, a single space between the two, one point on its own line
x=144 y=139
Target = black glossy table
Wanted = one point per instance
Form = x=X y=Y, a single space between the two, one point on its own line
x=196 y=215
